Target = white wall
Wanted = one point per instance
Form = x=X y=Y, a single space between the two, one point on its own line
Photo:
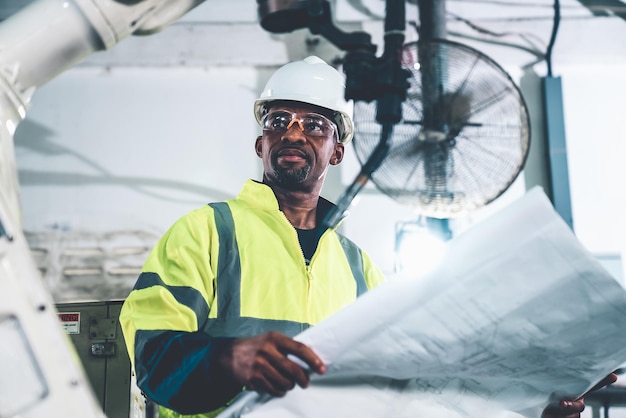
x=105 y=149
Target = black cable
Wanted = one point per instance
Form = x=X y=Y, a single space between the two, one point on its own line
x=515 y=3
x=531 y=18
x=523 y=35
x=555 y=29
x=535 y=52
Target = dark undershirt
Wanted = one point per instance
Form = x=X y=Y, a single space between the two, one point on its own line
x=308 y=241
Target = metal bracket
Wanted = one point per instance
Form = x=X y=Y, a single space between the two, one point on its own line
x=103 y=349
x=103 y=328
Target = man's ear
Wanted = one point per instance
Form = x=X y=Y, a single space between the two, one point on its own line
x=257 y=146
x=337 y=156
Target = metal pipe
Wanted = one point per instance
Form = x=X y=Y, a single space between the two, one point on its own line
x=432 y=19
x=432 y=26
x=336 y=214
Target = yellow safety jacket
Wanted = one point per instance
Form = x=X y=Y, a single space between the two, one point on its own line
x=236 y=269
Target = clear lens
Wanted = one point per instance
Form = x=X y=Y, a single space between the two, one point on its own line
x=277 y=121
x=312 y=125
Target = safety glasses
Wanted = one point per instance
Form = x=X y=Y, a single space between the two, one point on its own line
x=313 y=124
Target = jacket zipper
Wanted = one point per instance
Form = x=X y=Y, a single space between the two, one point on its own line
x=307 y=270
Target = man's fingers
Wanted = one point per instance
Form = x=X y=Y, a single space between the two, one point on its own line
x=304 y=353
x=267 y=377
x=262 y=363
x=262 y=384
x=611 y=378
x=574 y=406
x=282 y=373
x=292 y=371
x=564 y=409
x=280 y=382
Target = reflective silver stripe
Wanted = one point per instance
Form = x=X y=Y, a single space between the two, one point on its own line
x=355 y=260
x=185 y=295
x=248 y=327
x=228 y=265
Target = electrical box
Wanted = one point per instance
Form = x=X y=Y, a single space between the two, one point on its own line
x=95 y=330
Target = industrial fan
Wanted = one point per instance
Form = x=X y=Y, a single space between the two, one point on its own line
x=464 y=134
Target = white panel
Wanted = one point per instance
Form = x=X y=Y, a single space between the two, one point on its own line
x=594 y=103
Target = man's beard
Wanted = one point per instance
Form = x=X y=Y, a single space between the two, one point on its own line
x=290 y=176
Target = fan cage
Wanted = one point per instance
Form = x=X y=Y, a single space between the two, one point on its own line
x=477 y=140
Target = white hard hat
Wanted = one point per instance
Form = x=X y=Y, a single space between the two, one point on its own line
x=310 y=81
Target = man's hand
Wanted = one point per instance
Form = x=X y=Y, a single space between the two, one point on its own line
x=572 y=408
x=260 y=363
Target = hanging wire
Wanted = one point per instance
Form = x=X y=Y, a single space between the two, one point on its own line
x=555 y=29
x=599 y=7
x=539 y=54
x=526 y=36
x=511 y=3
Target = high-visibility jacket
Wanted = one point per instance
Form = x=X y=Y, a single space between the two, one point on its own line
x=236 y=269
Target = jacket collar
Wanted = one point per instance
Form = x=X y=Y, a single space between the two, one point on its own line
x=261 y=196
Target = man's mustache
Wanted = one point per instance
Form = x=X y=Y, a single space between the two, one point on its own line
x=291 y=150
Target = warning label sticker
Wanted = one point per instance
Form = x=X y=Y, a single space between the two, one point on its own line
x=70 y=321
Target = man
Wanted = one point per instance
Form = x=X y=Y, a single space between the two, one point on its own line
x=229 y=284
x=259 y=267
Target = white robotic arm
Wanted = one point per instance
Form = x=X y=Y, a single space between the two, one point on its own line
x=49 y=36
x=39 y=371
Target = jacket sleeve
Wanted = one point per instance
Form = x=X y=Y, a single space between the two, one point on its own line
x=178 y=371
x=163 y=317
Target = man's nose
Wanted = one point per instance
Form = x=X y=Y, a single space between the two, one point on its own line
x=295 y=131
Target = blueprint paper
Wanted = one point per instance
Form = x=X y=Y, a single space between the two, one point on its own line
x=517 y=315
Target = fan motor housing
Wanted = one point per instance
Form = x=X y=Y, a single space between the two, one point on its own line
x=282 y=16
